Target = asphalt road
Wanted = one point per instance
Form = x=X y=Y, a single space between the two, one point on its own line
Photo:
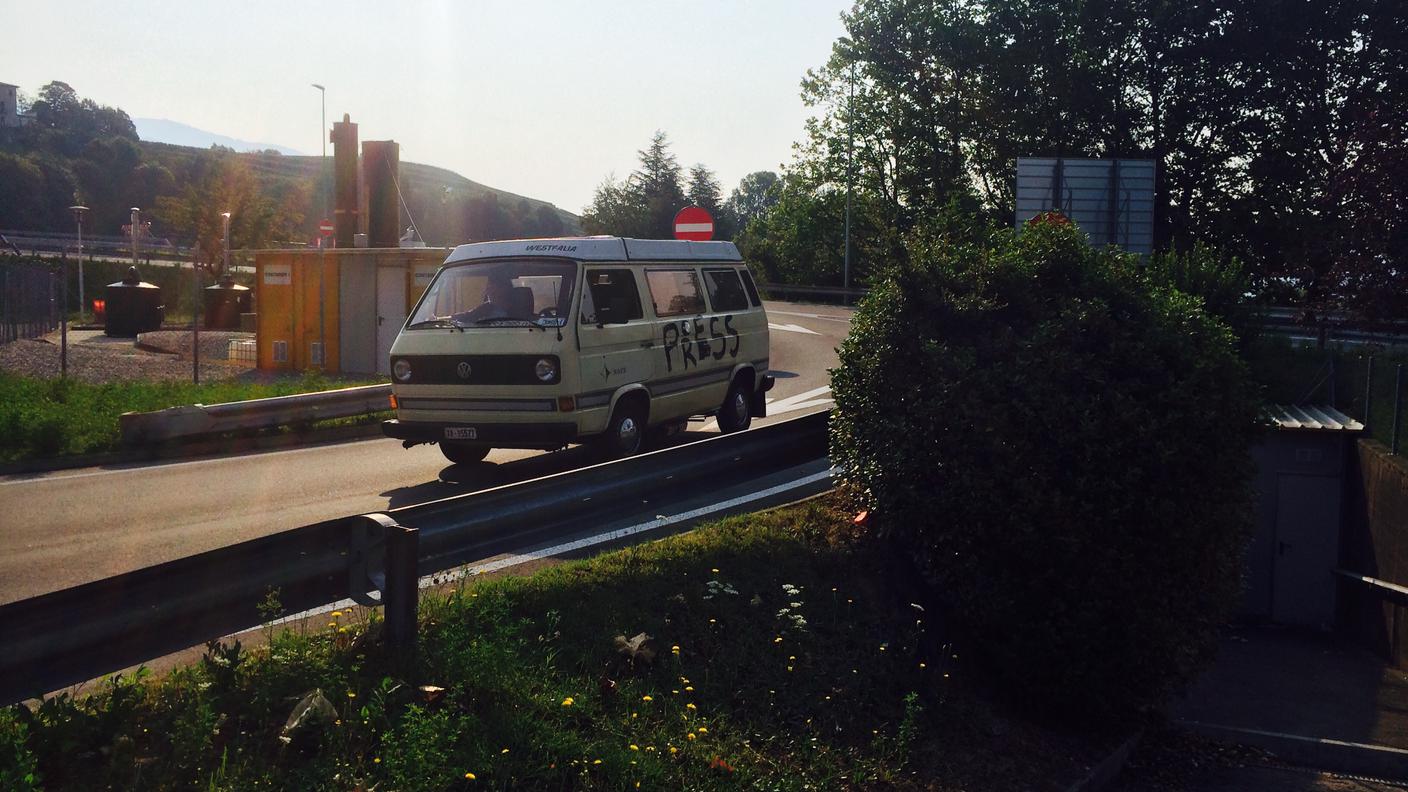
x=68 y=527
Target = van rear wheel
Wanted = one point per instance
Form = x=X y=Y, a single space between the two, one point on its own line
x=464 y=453
x=736 y=413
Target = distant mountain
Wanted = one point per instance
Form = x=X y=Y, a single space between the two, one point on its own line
x=161 y=130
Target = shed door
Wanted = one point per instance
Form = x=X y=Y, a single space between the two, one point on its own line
x=1306 y=550
x=390 y=313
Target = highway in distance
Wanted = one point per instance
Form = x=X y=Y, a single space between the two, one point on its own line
x=68 y=527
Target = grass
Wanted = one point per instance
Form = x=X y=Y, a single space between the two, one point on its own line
x=1289 y=373
x=55 y=417
x=782 y=657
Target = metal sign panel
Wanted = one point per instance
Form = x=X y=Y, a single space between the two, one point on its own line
x=1112 y=201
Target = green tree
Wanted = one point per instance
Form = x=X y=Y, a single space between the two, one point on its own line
x=222 y=181
x=753 y=196
x=645 y=204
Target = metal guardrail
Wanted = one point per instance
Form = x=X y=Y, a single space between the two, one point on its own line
x=815 y=291
x=204 y=419
x=80 y=633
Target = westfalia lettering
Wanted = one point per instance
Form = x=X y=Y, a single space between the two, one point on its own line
x=553 y=248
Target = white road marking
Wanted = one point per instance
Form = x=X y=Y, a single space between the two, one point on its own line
x=800 y=401
x=461 y=573
x=791 y=328
x=812 y=316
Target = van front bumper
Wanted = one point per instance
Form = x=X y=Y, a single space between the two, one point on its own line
x=500 y=435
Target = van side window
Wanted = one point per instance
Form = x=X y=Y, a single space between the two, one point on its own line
x=674 y=292
x=725 y=290
x=752 y=288
x=611 y=297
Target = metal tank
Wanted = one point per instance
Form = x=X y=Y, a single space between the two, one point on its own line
x=224 y=302
x=132 y=307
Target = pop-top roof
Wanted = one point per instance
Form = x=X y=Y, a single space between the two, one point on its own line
x=1316 y=418
x=599 y=248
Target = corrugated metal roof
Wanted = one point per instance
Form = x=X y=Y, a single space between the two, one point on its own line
x=1312 y=417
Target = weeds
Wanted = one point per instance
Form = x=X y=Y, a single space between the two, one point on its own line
x=523 y=683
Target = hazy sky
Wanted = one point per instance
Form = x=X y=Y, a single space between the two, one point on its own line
x=539 y=97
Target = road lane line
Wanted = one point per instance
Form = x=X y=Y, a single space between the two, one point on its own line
x=792 y=328
x=811 y=316
x=454 y=575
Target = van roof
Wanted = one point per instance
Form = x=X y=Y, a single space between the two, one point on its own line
x=599 y=248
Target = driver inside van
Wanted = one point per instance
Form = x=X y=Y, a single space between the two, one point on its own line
x=498 y=294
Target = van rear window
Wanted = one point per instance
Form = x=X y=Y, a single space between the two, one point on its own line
x=725 y=290
x=674 y=292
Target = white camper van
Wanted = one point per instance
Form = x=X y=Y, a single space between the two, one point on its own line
x=545 y=342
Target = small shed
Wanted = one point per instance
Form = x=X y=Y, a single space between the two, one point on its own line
x=1295 y=547
x=132 y=306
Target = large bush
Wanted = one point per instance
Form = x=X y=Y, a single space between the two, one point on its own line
x=1062 y=448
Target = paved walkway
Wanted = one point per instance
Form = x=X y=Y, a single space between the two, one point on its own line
x=1310 y=699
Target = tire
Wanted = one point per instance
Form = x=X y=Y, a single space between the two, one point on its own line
x=464 y=453
x=625 y=432
x=736 y=413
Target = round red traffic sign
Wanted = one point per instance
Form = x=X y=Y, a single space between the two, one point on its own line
x=695 y=224
x=325 y=227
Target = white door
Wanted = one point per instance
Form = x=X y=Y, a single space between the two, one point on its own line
x=390 y=313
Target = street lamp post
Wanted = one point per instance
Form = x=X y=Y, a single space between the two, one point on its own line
x=136 y=231
x=78 y=212
x=323 y=170
x=225 y=259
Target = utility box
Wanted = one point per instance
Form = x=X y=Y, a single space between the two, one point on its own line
x=337 y=310
x=1295 y=547
x=132 y=306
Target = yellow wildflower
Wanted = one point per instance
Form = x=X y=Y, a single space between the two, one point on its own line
x=336 y=614
x=504 y=751
x=470 y=776
x=703 y=730
x=689 y=688
x=376 y=760
x=675 y=649
x=351 y=694
x=596 y=761
x=567 y=702
x=646 y=698
x=674 y=750
x=690 y=706
x=690 y=736
x=715 y=570
x=635 y=747
x=777 y=640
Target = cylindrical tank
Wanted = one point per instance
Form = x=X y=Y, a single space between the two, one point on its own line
x=381 y=161
x=132 y=307
x=224 y=302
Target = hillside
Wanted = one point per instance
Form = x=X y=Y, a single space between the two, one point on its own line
x=78 y=151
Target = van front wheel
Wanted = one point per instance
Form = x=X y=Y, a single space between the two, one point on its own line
x=464 y=453
x=625 y=432
x=736 y=413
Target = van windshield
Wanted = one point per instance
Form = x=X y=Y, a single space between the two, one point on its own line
x=507 y=292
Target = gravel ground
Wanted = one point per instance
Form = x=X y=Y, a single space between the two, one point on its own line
x=93 y=357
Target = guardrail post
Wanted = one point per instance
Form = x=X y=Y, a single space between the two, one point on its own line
x=1397 y=407
x=1369 y=397
x=402 y=592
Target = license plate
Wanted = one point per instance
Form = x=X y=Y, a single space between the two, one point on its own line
x=461 y=433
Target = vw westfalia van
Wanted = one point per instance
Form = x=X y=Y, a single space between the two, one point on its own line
x=545 y=342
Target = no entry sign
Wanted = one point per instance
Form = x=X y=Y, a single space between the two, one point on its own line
x=694 y=224
x=325 y=227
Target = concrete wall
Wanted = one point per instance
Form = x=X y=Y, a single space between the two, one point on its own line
x=1376 y=544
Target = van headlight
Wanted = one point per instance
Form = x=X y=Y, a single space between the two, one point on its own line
x=546 y=370
x=401 y=369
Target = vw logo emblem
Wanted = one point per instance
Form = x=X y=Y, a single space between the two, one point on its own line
x=463 y=370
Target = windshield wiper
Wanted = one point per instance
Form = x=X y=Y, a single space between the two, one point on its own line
x=439 y=321
x=488 y=319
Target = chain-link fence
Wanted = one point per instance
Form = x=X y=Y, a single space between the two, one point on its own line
x=28 y=299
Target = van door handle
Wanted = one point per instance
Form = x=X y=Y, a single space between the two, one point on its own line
x=647 y=344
